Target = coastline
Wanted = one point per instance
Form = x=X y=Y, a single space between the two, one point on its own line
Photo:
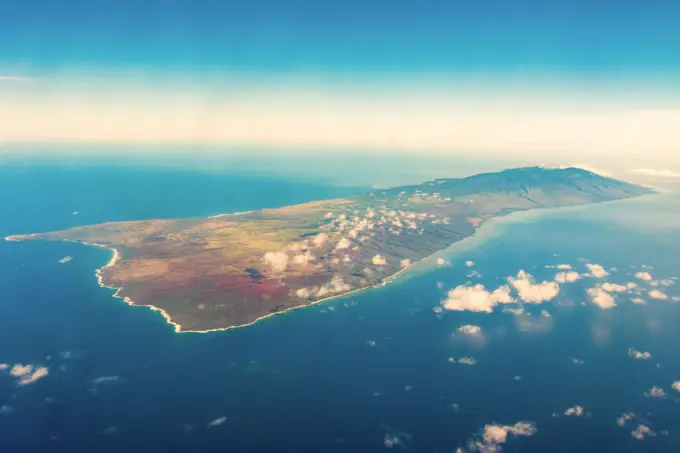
x=477 y=234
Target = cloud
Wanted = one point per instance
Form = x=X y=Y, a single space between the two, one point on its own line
x=614 y=288
x=624 y=418
x=217 y=422
x=105 y=380
x=320 y=239
x=21 y=370
x=656 y=294
x=567 y=277
x=638 y=300
x=576 y=411
x=656 y=392
x=476 y=298
x=634 y=353
x=577 y=362
x=38 y=373
x=676 y=386
x=464 y=361
x=3 y=366
x=442 y=262
x=642 y=431
x=469 y=263
x=601 y=298
x=405 y=263
x=302 y=293
x=277 y=261
x=655 y=173
x=342 y=244
x=596 y=271
x=532 y=292
x=469 y=329
x=646 y=276
x=302 y=259
x=379 y=260
x=493 y=437
x=5 y=410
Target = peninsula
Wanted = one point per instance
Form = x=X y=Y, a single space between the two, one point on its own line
x=231 y=270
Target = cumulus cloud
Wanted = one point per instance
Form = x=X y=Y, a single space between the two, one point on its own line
x=601 y=298
x=676 y=386
x=576 y=411
x=302 y=293
x=3 y=366
x=342 y=244
x=655 y=173
x=656 y=392
x=320 y=239
x=532 y=292
x=638 y=300
x=30 y=376
x=21 y=370
x=596 y=270
x=614 y=288
x=493 y=437
x=567 y=277
x=469 y=263
x=638 y=355
x=277 y=261
x=442 y=262
x=476 y=298
x=379 y=260
x=646 y=276
x=624 y=418
x=405 y=262
x=469 y=329
x=217 y=422
x=656 y=294
x=642 y=431
x=302 y=259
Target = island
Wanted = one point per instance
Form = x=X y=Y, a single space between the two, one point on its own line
x=232 y=270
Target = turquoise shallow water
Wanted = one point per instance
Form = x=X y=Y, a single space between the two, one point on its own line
x=339 y=376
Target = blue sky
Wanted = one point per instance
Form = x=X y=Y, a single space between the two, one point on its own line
x=592 y=37
x=192 y=66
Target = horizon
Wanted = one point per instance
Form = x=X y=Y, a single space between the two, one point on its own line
x=539 y=82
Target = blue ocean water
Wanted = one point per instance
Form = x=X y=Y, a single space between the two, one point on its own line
x=340 y=376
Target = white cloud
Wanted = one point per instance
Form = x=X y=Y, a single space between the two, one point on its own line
x=302 y=293
x=576 y=411
x=379 y=260
x=596 y=270
x=5 y=410
x=442 y=262
x=577 y=362
x=655 y=173
x=614 y=288
x=646 y=276
x=469 y=329
x=493 y=437
x=567 y=277
x=601 y=298
x=676 y=386
x=638 y=300
x=624 y=418
x=476 y=298
x=667 y=282
x=105 y=380
x=469 y=263
x=545 y=314
x=343 y=243
x=3 y=366
x=302 y=259
x=277 y=261
x=21 y=370
x=320 y=239
x=656 y=392
x=38 y=373
x=634 y=353
x=562 y=267
x=656 y=294
x=217 y=422
x=467 y=361
x=642 y=431
x=405 y=262
x=532 y=292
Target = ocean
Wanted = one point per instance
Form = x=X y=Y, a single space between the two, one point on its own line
x=364 y=373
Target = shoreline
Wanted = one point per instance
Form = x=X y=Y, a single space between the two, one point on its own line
x=177 y=327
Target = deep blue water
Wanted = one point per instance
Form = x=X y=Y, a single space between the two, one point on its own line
x=309 y=380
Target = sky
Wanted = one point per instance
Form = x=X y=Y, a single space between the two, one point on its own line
x=583 y=78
